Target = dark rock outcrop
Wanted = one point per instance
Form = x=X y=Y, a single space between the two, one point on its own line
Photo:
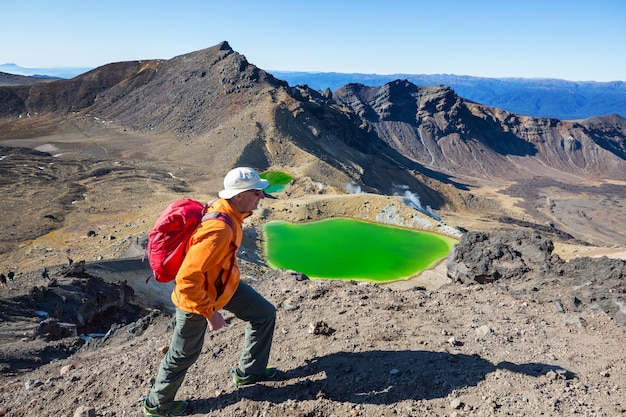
x=74 y=298
x=522 y=263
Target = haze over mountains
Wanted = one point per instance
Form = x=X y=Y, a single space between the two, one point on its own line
x=43 y=72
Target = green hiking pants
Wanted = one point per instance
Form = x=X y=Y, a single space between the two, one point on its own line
x=188 y=338
x=260 y=317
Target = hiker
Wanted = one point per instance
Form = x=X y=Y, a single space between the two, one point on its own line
x=44 y=273
x=3 y=280
x=10 y=275
x=203 y=287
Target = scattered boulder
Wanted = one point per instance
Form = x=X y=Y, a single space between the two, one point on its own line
x=321 y=328
x=51 y=329
x=85 y=411
x=66 y=369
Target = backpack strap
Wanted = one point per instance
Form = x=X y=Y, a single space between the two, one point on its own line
x=217 y=215
x=221 y=216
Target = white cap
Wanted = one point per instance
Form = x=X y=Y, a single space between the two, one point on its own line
x=241 y=179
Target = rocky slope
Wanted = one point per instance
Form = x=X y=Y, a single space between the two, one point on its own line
x=89 y=163
x=520 y=343
x=437 y=128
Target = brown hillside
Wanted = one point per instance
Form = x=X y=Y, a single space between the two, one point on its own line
x=541 y=164
x=520 y=321
x=194 y=116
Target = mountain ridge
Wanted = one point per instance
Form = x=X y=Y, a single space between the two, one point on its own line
x=400 y=136
x=436 y=127
x=537 y=97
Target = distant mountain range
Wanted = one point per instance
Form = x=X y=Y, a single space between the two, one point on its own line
x=537 y=97
x=552 y=98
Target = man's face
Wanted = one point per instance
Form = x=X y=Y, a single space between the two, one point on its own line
x=248 y=200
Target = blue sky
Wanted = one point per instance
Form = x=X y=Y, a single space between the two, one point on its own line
x=578 y=41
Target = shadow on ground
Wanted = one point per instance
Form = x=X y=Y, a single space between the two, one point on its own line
x=348 y=377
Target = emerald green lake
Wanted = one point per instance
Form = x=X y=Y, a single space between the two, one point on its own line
x=342 y=248
x=278 y=180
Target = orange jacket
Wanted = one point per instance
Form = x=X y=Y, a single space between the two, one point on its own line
x=208 y=258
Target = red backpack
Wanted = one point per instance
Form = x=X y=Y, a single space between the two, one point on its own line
x=167 y=241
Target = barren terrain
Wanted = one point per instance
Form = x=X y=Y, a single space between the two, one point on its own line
x=525 y=317
x=423 y=347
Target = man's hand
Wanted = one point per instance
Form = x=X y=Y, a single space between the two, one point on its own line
x=216 y=321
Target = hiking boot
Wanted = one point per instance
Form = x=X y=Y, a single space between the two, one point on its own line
x=239 y=380
x=177 y=409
